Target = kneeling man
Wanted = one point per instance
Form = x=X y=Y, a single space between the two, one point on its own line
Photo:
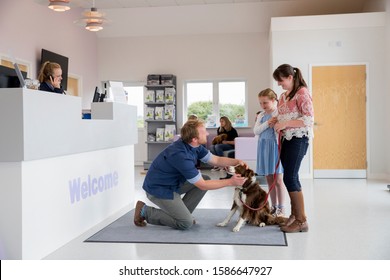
x=174 y=183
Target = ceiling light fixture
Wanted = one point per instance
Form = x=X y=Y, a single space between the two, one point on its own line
x=93 y=26
x=93 y=19
x=59 y=5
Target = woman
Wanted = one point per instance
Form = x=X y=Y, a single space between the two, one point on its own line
x=295 y=122
x=50 y=77
x=228 y=144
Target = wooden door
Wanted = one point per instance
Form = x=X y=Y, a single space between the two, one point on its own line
x=339 y=99
x=73 y=86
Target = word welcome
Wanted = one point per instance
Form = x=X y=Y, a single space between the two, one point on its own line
x=79 y=189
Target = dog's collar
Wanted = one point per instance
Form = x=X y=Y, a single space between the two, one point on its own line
x=253 y=180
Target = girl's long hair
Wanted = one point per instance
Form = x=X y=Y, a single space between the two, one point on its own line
x=268 y=93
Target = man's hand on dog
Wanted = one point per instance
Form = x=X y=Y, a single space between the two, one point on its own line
x=237 y=180
x=240 y=162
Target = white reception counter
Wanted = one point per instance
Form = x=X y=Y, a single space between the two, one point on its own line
x=61 y=175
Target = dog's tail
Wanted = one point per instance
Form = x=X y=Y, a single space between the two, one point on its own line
x=274 y=220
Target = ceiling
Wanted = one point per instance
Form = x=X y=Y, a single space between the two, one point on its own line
x=118 y=4
x=174 y=17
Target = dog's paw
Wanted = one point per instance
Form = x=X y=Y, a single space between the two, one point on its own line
x=262 y=225
x=236 y=229
x=223 y=224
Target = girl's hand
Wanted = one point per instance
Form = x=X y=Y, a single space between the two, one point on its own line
x=272 y=121
x=280 y=126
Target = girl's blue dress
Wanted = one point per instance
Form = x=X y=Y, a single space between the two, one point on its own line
x=267 y=151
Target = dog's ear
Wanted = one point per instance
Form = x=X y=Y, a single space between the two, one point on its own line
x=240 y=170
x=249 y=173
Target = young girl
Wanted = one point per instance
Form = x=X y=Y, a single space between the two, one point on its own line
x=267 y=149
x=295 y=121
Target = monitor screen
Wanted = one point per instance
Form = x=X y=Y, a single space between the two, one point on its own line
x=96 y=95
x=9 y=78
x=20 y=76
x=61 y=60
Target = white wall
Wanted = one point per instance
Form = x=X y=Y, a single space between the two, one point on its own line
x=362 y=40
x=206 y=56
x=26 y=28
x=387 y=91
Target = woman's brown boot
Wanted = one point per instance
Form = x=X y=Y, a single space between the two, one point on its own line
x=290 y=219
x=296 y=226
x=288 y=222
x=300 y=223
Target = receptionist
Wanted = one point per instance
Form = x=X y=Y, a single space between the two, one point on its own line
x=50 y=77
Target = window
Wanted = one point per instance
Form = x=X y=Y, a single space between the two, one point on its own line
x=210 y=100
x=135 y=96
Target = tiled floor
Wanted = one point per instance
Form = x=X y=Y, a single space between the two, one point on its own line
x=348 y=218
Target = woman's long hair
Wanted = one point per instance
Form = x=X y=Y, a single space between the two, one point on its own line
x=284 y=71
x=47 y=70
x=228 y=125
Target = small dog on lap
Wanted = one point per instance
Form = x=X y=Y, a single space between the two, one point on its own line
x=219 y=139
x=250 y=200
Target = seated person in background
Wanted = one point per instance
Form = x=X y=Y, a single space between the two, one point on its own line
x=50 y=77
x=227 y=142
x=192 y=117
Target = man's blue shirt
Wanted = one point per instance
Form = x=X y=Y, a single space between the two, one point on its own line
x=172 y=167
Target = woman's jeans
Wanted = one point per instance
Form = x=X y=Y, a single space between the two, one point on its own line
x=218 y=149
x=291 y=157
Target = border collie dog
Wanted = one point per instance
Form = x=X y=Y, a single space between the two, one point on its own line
x=250 y=200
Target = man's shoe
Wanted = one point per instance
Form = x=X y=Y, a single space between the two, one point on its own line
x=139 y=221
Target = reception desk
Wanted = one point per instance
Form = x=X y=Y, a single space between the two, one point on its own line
x=61 y=174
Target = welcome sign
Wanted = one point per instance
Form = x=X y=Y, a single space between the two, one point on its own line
x=82 y=189
x=66 y=196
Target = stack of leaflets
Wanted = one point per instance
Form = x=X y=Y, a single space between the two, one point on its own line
x=150 y=96
x=160 y=96
x=170 y=95
x=159 y=113
x=149 y=113
x=170 y=132
x=170 y=112
x=160 y=134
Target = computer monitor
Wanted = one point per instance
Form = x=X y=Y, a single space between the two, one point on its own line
x=20 y=76
x=96 y=96
x=8 y=77
x=102 y=96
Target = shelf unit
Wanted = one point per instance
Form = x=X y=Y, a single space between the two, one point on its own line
x=166 y=85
